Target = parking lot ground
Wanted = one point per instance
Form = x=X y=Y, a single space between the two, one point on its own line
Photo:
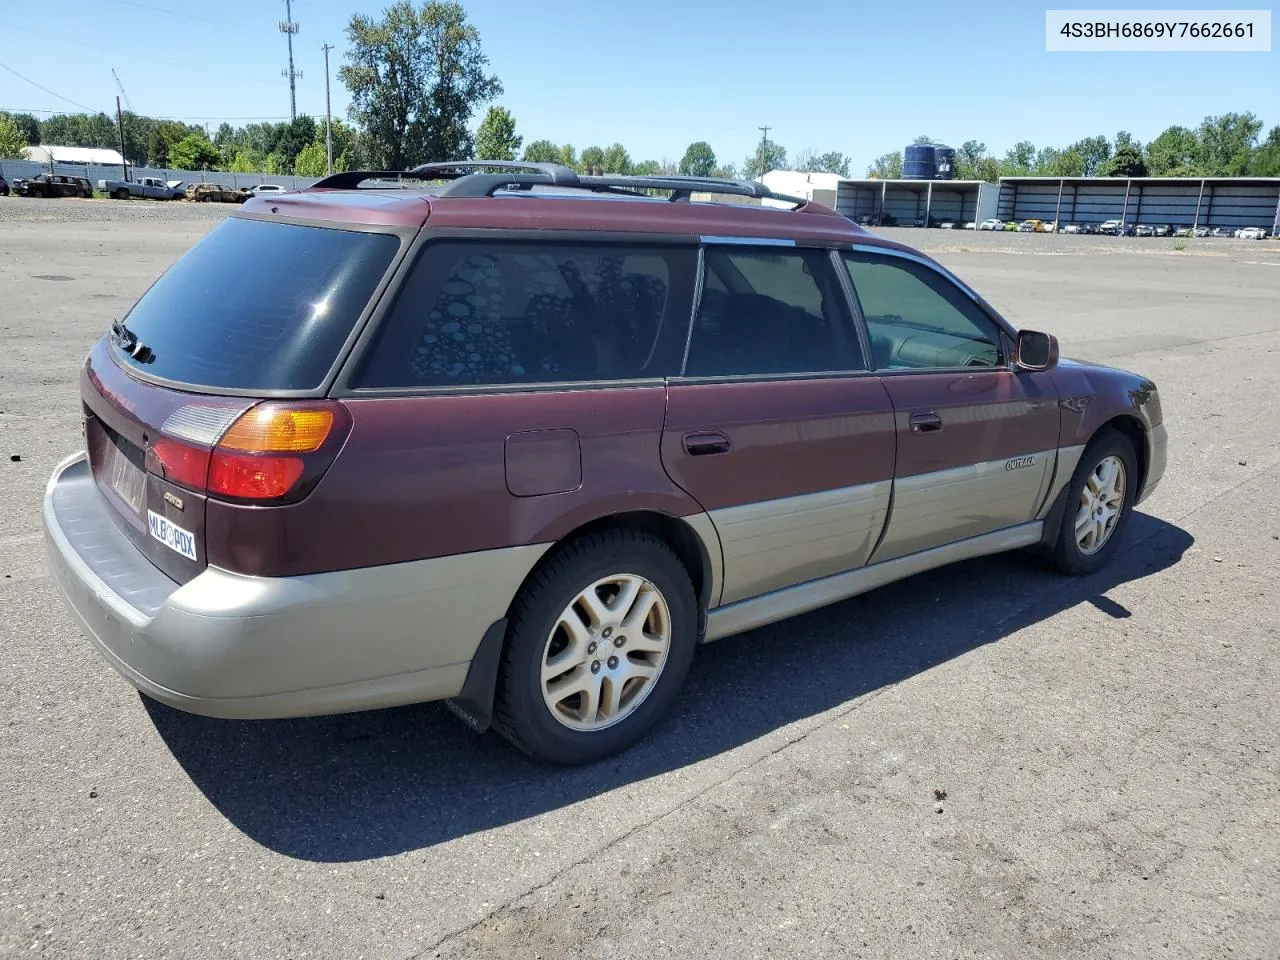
x=986 y=761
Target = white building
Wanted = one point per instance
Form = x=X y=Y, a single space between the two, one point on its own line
x=47 y=153
x=818 y=187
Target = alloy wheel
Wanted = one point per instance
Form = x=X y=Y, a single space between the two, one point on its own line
x=1101 y=503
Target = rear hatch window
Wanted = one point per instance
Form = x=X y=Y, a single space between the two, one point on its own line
x=258 y=305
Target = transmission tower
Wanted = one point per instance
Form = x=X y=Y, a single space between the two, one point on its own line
x=289 y=26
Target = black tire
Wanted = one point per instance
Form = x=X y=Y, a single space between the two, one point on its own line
x=120 y=194
x=1068 y=555
x=520 y=712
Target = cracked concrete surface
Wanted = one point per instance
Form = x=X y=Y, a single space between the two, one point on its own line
x=1102 y=751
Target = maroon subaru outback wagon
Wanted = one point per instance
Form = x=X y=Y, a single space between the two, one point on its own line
x=522 y=439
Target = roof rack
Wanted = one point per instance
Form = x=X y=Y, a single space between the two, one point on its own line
x=472 y=178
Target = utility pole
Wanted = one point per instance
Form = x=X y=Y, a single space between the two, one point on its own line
x=289 y=27
x=328 y=121
x=124 y=163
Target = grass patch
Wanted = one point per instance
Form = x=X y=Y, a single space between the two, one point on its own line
x=1180 y=245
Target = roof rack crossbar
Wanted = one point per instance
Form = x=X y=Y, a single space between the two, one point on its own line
x=455 y=169
x=680 y=188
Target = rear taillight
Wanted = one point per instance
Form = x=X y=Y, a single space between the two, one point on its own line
x=274 y=452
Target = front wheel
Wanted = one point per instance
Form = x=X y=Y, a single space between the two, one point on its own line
x=121 y=194
x=598 y=644
x=1099 y=501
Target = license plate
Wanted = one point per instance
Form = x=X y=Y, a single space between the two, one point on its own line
x=126 y=478
x=172 y=536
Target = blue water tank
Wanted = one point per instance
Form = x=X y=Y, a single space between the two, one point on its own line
x=918 y=162
x=944 y=162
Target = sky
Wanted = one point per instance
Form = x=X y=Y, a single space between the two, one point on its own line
x=860 y=77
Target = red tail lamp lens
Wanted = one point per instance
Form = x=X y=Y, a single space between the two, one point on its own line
x=250 y=477
x=184 y=465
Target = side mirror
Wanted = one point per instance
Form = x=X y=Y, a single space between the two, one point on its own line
x=1035 y=351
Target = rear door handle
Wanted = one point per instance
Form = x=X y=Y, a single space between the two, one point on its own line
x=703 y=444
x=925 y=422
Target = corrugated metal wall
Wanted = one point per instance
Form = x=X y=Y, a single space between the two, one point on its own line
x=905 y=204
x=12 y=169
x=1224 y=203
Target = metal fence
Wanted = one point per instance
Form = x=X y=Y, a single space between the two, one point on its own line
x=93 y=172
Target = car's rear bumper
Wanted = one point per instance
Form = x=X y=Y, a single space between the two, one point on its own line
x=228 y=645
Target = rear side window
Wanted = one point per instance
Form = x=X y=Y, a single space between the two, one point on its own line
x=259 y=306
x=771 y=312
x=494 y=313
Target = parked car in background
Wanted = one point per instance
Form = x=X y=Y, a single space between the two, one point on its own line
x=552 y=461
x=4 y=187
x=1072 y=228
x=1200 y=232
x=1049 y=226
x=53 y=185
x=991 y=224
x=1012 y=226
x=1124 y=230
x=1109 y=226
x=1253 y=233
x=1182 y=232
x=970 y=225
x=947 y=225
x=1221 y=232
x=216 y=193
x=1031 y=226
x=144 y=188
x=1143 y=230
x=262 y=188
x=1164 y=230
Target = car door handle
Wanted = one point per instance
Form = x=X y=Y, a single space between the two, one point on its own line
x=925 y=422
x=703 y=444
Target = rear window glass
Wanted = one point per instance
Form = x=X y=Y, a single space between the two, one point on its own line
x=259 y=306
x=495 y=313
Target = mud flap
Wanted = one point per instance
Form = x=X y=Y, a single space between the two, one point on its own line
x=474 y=705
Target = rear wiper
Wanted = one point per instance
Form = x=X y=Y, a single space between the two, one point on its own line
x=128 y=341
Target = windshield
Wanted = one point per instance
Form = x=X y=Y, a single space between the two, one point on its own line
x=258 y=306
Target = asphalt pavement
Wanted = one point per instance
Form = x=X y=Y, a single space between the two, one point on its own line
x=988 y=761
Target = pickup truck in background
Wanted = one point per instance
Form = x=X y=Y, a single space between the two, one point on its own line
x=150 y=188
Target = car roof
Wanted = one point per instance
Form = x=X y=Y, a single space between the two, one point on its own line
x=565 y=210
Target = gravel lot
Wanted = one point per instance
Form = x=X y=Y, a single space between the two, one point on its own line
x=987 y=761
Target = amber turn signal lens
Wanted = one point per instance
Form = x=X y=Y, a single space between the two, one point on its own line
x=279 y=429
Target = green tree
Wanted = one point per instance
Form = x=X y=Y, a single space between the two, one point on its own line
x=727 y=171
x=497 y=139
x=292 y=137
x=12 y=141
x=273 y=163
x=164 y=137
x=1176 y=152
x=646 y=168
x=922 y=140
x=1265 y=161
x=1126 y=158
x=812 y=162
x=416 y=76
x=194 y=152
x=1019 y=160
x=568 y=156
x=1051 y=162
x=1094 y=151
x=245 y=162
x=988 y=169
x=28 y=126
x=768 y=156
x=1227 y=143
x=699 y=160
x=312 y=160
x=592 y=160
x=968 y=154
x=617 y=160
x=886 y=167
x=542 y=151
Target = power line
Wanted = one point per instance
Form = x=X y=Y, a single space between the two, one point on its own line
x=148 y=115
x=47 y=90
x=172 y=13
x=122 y=53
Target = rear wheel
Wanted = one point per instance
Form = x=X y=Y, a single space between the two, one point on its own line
x=599 y=642
x=1099 y=501
x=120 y=193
